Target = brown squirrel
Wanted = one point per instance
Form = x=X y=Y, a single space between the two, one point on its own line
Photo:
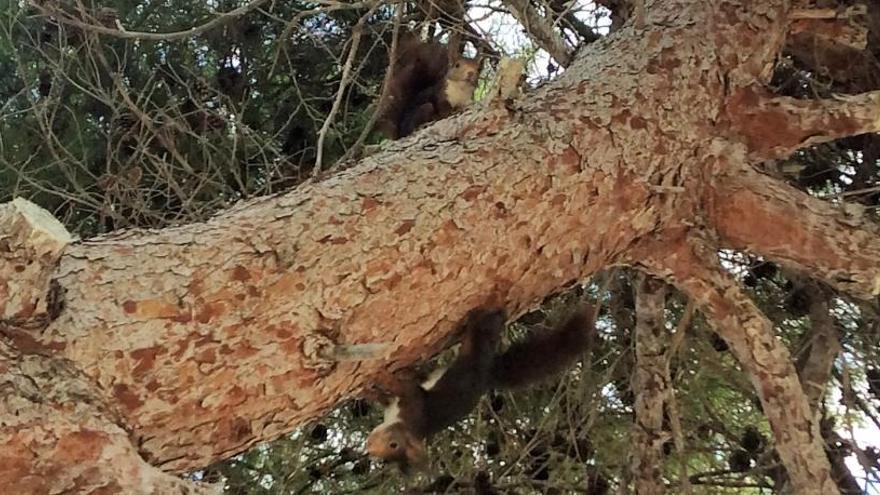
x=428 y=83
x=421 y=410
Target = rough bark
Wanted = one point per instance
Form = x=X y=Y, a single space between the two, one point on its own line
x=650 y=386
x=822 y=349
x=775 y=127
x=694 y=268
x=753 y=212
x=208 y=338
x=31 y=241
x=60 y=436
x=815 y=371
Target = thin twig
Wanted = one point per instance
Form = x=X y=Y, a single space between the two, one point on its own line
x=356 y=35
x=221 y=18
x=353 y=151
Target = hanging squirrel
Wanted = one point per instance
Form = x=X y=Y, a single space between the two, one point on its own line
x=428 y=83
x=421 y=410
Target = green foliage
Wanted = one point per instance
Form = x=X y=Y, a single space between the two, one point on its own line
x=110 y=132
x=572 y=434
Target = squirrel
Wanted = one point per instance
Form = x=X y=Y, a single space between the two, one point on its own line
x=427 y=83
x=421 y=410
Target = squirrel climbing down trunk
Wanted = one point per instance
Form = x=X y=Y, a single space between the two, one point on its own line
x=421 y=410
x=427 y=83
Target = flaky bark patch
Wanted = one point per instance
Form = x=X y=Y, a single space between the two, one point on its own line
x=207 y=338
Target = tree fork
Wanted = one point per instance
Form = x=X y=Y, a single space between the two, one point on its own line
x=208 y=338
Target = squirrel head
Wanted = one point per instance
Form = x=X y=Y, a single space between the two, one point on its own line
x=465 y=69
x=394 y=442
x=461 y=81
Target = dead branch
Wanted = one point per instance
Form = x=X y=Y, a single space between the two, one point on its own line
x=65 y=18
x=357 y=33
x=541 y=30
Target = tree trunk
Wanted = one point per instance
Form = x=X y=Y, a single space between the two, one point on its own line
x=201 y=340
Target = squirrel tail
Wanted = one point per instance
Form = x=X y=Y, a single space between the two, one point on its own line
x=540 y=356
x=395 y=102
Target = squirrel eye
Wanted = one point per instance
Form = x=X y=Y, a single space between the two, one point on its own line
x=393 y=445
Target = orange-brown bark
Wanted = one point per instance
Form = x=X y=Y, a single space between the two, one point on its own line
x=206 y=338
x=775 y=127
x=59 y=436
x=757 y=213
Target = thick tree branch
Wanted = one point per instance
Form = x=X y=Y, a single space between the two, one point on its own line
x=693 y=268
x=541 y=30
x=202 y=334
x=841 y=27
x=776 y=127
x=209 y=337
x=650 y=386
x=815 y=371
x=53 y=414
x=31 y=242
x=853 y=67
x=762 y=215
x=822 y=347
x=760 y=41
